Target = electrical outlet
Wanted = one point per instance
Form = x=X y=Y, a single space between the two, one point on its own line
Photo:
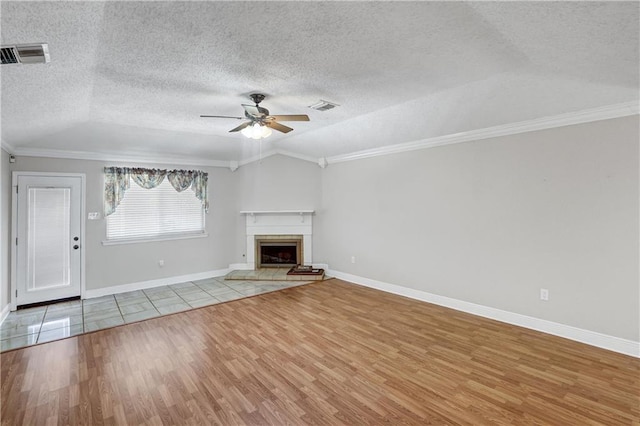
x=544 y=294
x=161 y=263
x=353 y=259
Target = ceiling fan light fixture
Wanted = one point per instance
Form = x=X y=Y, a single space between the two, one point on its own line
x=260 y=122
x=256 y=131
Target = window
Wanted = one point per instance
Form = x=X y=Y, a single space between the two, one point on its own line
x=160 y=212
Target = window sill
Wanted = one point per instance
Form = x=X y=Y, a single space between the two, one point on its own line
x=153 y=239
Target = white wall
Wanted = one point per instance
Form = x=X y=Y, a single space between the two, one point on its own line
x=131 y=263
x=276 y=183
x=491 y=222
x=5 y=229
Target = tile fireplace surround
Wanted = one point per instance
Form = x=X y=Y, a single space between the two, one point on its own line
x=279 y=224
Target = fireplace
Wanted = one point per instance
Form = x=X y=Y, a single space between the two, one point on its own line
x=278 y=226
x=278 y=251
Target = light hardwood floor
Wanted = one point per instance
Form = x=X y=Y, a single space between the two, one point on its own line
x=324 y=353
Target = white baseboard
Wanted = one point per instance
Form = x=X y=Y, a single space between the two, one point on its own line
x=5 y=313
x=604 y=341
x=153 y=283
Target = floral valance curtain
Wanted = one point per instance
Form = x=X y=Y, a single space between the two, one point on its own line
x=148 y=178
x=118 y=179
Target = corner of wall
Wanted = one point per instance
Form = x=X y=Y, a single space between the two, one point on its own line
x=5 y=190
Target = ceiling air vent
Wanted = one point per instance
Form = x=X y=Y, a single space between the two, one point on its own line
x=9 y=55
x=323 y=105
x=25 y=54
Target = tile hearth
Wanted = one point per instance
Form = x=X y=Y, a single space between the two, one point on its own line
x=27 y=327
x=271 y=274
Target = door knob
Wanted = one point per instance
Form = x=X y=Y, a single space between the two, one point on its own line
x=75 y=238
x=76 y=247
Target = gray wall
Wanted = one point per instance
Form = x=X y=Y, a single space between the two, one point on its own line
x=279 y=183
x=489 y=222
x=276 y=183
x=492 y=222
x=5 y=228
x=129 y=263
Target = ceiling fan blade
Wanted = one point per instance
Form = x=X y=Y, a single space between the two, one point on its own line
x=253 y=111
x=220 y=116
x=240 y=127
x=299 y=117
x=277 y=126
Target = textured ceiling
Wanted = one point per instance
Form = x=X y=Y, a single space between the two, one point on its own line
x=132 y=78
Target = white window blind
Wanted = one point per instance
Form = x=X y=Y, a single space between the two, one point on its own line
x=48 y=262
x=158 y=212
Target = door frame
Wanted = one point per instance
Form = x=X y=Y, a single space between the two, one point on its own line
x=14 y=228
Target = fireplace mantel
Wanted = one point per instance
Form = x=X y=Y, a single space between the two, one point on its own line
x=279 y=222
x=255 y=212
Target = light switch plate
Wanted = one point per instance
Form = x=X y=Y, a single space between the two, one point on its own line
x=544 y=294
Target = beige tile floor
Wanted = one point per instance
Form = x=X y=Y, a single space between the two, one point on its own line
x=57 y=321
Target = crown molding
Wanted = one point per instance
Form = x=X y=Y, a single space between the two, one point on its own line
x=94 y=156
x=7 y=147
x=568 y=119
x=273 y=152
x=255 y=158
x=298 y=156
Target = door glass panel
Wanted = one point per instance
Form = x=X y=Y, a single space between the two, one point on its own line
x=48 y=263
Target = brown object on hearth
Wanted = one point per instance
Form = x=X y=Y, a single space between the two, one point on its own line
x=305 y=270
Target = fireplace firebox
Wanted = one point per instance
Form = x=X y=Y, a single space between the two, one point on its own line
x=278 y=251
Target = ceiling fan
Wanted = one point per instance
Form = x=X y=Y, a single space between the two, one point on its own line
x=260 y=122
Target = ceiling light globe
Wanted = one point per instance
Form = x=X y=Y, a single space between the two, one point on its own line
x=256 y=131
x=246 y=131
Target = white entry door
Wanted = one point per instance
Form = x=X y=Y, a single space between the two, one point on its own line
x=48 y=261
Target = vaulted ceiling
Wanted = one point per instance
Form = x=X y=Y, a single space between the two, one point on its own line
x=132 y=78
